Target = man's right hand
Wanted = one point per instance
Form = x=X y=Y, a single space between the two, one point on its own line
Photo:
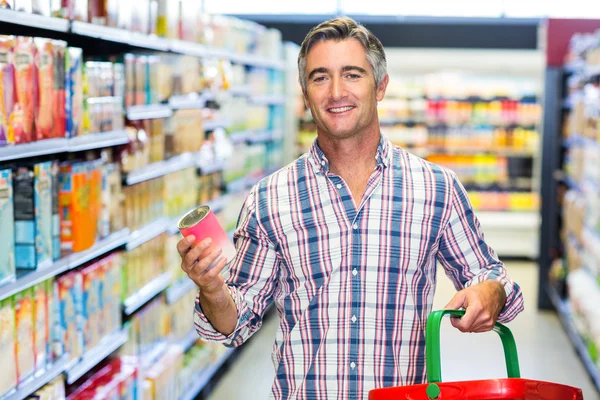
x=195 y=261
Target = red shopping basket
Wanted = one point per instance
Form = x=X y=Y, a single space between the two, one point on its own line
x=511 y=388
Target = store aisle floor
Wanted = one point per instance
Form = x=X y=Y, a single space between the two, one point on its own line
x=544 y=349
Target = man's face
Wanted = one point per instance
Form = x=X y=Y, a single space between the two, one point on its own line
x=340 y=89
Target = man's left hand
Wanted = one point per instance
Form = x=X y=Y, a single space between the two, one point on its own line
x=482 y=303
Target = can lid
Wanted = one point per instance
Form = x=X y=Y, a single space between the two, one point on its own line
x=193 y=217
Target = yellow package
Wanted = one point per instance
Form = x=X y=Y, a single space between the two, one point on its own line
x=23 y=303
x=8 y=377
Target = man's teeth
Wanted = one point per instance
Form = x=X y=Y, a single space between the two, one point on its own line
x=340 y=109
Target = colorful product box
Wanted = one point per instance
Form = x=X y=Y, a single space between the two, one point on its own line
x=41 y=327
x=33 y=216
x=69 y=331
x=25 y=85
x=74 y=92
x=91 y=305
x=24 y=327
x=8 y=377
x=60 y=96
x=51 y=296
x=79 y=199
x=7 y=237
x=111 y=289
x=55 y=211
x=44 y=62
x=7 y=87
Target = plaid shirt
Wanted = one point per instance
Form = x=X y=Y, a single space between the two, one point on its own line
x=353 y=285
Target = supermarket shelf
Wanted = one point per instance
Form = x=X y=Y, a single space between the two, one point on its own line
x=56 y=146
x=204 y=376
x=173 y=226
x=188 y=341
x=34 y=20
x=145 y=294
x=212 y=124
x=101 y=247
x=239 y=137
x=93 y=357
x=179 y=289
x=188 y=48
x=27 y=279
x=510 y=219
x=474 y=151
x=207 y=168
x=150 y=111
x=40 y=379
x=268 y=100
x=119 y=36
x=564 y=312
x=261 y=137
x=146 y=233
x=161 y=168
x=98 y=140
x=255 y=61
x=154 y=354
x=187 y=101
x=34 y=149
x=243 y=90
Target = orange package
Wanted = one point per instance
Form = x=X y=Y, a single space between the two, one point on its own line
x=44 y=62
x=7 y=88
x=26 y=85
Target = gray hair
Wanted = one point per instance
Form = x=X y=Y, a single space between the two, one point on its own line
x=340 y=29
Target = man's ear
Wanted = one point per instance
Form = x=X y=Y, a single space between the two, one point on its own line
x=305 y=98
x=381 y=88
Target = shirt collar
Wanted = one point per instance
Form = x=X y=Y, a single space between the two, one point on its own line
x=321 y=163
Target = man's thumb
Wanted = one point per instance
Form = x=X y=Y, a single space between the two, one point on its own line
x=457 y=302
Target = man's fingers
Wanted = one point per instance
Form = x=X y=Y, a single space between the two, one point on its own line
x=185 y=244
x=457 y=302
x=194 y=254
x=467 y=322
x=198 y=269
x=216 y=270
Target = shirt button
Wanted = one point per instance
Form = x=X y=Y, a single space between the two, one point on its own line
x=339 y=186
x=354 y=318
x=355 y=226
x=322 y=162
x=353 y=365
x=354 y=271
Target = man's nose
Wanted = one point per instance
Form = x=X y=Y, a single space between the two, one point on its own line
x=337 y=89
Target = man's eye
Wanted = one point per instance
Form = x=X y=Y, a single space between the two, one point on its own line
x=353 y=76
x=319 y=79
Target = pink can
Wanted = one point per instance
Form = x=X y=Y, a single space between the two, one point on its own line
x=202 y=223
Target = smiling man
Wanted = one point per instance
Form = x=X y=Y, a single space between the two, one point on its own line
x=345 y=242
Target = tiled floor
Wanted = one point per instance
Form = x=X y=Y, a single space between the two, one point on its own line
x=544 y=350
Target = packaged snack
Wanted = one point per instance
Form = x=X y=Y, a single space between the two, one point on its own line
x=51 y=295
x=55 y=211
x=44 y=61
x=79 y=10
x=140 y=16
x=23 y=5
x=78 y=207
x=130 y=79
x=23 y=303
x=59 y=109
x=7 y=237
x=8 y=377
x=115 y=194
x=40 y=328
x=74 y=91
x=69 y=334
x=25 y=84
x=33 y=216
x=7 y=87
x=167 y=21
x=125 y=11
x=141 y=80
x=91 y=305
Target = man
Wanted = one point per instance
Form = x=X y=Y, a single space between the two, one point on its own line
x=345 y=241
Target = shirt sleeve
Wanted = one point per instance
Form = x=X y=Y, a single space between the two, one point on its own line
x=468 y=259
x=251 y=280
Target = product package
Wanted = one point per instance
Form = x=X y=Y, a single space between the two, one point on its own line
x=74 y=91
x=69 y=337
x=23 y=5
x=91 y=305
x=51 y=297
x=55 y=168
x=44 y=62
x=115 y=194
x=41 y=7
x=26 y=89
x=33 y=216
x=7 y=237
x=8 y=377
x=7 y=87
x=78 y=199
x=60 y=96
x=23 y=303
x=41 y=328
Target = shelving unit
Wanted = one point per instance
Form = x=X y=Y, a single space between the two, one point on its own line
x=84 y=35
x=39 y=379
x=204 y=376
x=108 y=345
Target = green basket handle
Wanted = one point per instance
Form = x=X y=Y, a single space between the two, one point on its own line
x=432 y=346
